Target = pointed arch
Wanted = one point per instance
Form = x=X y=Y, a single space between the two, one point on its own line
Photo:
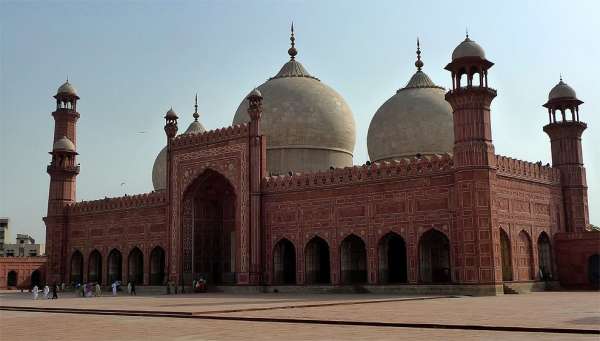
x=317 y=261
x=353 y=260
x=506 y=254
x=593 y=269
x=115 y=266
x=36 y=278
x=434 y=257
x=284 y=262
x=76 y=267
x=12 y=279
x=545 y=257
x=393 y=263
x=524 y=257
x=95 y=267
x=157 y=266
x=135 y=263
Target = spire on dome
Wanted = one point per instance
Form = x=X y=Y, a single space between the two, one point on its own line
x=292 y=50
x=196 y=115
x=466 y=32
x=419 y=63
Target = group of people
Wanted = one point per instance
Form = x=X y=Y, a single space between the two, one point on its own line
x=45 y=292
x=94 y=289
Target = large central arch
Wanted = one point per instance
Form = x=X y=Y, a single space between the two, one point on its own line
x=213 y=223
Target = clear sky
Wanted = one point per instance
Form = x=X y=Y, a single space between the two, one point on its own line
x=132 y=60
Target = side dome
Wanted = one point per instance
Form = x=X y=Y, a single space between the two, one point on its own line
x=416 y=120
x=308 y=125
x=64 y=145
x=468 y=48
x=159 y=169
x=562 y=90
x=66 y=89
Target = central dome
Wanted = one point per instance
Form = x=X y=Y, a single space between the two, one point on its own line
x=308 y=125
x=416 y=120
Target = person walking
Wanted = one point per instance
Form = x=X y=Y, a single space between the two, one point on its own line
x=133 y=288
x=129 y=287
x=54 y=291
x=114 y=288
x=98 y=290
x=46 y=291
x=35 y=292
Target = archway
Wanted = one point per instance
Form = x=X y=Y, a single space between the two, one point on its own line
x=11 y=279
x=316 y=262
x=392 y=259
x=157 y=266
x=214 y=223
x=115 y=266
x=594 y=270
x=135 y=263
x=284 y=263
x=95 y=267
x=76 y=267
x=353 y=260
x=524 y=257
x=505 y=253
x=36 y=278
x=434 y=260
x=545 y=257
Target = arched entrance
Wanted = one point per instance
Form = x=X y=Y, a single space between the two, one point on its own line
x=95 y=267
x=594 y=270
x=135 y=263
x=392 y=259
x=76 y=268
x=316 y=262
x=157 y=266
x=36 y=278
x=115 y=266
x=505 y=252
x=353 y=259
x=213 y=217
x=545 y=257
x=11 y=279
x=284 y=263
x=524 y=257
x=434 y=257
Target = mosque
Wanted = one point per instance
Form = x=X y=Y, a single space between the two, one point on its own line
x=274 y=201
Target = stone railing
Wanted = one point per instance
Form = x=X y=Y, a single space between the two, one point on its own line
x=525 y=170
x=403 y=168
x=212 y=136
x=120 y=203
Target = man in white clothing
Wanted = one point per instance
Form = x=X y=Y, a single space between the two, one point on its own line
x=35 y=291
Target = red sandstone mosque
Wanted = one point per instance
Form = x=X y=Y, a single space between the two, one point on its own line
x=275 y=202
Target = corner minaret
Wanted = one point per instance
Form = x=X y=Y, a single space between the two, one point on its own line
x=471 y=106
x=63 y=170
x=565 y=141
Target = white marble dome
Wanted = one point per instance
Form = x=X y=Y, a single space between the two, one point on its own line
x=308 y=125
x=468 y=48
x=63 y=144
x=416 y=120
x=159 y=170
x=67 y=88
x=562 y=90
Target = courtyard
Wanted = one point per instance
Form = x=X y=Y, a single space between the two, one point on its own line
x=274 y=316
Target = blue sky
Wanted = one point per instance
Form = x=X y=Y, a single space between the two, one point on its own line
x=132 y=60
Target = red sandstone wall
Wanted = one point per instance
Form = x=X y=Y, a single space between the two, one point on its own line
x=573 y=251
x=24 y=266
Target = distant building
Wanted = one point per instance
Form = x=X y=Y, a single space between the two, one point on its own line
x=3 y=234
x=25 y=247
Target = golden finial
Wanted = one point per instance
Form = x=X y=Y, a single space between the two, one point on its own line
x=419 y=63
x=196 y=115
x=292 y=50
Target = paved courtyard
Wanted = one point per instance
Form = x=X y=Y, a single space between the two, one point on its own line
x=535 y=316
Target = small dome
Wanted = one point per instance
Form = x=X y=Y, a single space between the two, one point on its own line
x=468 y=48
x=67 y=89
x=562 y=90
x=63 y=144
x=171 y=114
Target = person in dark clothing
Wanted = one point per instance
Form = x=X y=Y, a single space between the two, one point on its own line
x=133 y=288
x=54 y=290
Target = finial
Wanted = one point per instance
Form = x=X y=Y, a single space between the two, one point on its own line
x=467 y=32
x=561 y=77
x=292 y=50
x=419 y=63
x=196 y=115
x=67 y=78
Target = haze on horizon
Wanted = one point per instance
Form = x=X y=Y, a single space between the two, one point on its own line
x=131 y=61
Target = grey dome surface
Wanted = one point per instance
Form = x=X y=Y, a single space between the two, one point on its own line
x=416 y=120
x=67 y=88
x=63 y=144
x=562 y=90
x=468 y=48
x=308 y=125
x=159 y=170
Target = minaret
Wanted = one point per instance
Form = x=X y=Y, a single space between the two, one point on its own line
x=63 y=171
x=565 y=141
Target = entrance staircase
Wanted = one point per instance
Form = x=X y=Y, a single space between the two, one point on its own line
x=508 y=290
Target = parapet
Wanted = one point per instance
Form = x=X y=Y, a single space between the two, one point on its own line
x=211 y=136
x=397 y=169
x=509 y=167
x=157 y=198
